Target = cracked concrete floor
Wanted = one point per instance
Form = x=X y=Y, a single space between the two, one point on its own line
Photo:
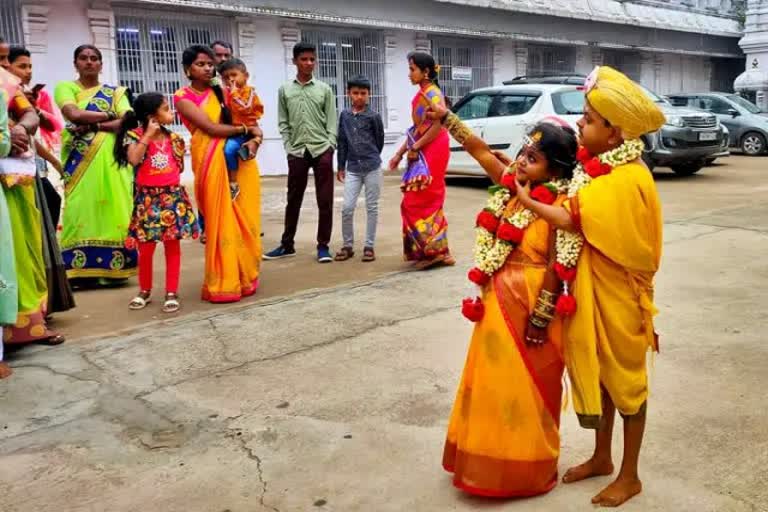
x=336 y=399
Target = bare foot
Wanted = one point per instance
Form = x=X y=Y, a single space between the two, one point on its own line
x=621 y=490
x=589 y=469
x=5 y=371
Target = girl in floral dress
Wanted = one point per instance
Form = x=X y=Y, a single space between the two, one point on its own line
x=162 y=211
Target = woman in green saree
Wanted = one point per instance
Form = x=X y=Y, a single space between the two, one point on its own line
x=29 y=287
x=98 y=192
x=9 y=292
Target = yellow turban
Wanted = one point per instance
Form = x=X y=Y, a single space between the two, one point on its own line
x=622 y=103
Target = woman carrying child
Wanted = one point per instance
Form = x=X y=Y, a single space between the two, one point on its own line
x=503 y=437
x=162 y=211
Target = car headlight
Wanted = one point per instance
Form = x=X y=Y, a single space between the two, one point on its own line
x=675 y=121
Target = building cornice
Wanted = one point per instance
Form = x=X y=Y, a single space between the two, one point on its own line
x=315 y=17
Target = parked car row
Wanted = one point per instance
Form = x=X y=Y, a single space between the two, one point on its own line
x=700 y=127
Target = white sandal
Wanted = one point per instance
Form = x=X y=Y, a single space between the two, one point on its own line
x=140 y=302
x=171 y=304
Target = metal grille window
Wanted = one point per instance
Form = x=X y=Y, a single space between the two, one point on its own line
x=628 y=63
x=550 y=60
x=149 y=47
x=10 y=22
x=465 y=65
x=342 y=55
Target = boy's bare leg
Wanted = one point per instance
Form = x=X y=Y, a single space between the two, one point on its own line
x=601 y=462
x=627 y=484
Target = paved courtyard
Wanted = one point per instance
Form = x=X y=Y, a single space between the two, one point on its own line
x=330 y=390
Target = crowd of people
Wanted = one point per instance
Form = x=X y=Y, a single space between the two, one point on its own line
x=566 y=250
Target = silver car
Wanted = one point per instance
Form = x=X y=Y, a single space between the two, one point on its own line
x=747 y=124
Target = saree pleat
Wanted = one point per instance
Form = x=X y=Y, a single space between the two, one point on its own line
x=60 y=296
x=503 y=437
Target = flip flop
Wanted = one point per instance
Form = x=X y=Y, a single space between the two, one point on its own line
x=369 y=255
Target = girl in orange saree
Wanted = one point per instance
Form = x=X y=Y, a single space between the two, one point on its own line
x=503 y=438
x=233 y=247
x=425 y=228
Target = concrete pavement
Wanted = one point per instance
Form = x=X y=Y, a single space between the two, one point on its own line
x=337 y=398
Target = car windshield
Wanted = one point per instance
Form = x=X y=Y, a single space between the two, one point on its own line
x=745 y=104
x=654 y=97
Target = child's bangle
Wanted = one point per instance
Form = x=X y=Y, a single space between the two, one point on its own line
x=245 y=129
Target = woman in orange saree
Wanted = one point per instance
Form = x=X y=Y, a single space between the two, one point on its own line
x=425 y=228
x=503 y=437
x=233 y=247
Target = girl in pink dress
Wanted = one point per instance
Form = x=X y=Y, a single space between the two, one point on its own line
x=162 y=210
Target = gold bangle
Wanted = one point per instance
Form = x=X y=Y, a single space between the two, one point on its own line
x=547 y=295
x=458 y=130
x=539 y=322
x=245 y=128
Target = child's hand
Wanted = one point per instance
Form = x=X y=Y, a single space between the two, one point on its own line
x=524 y=193
x=153 y=128
x=340 y=175
x=253 y=148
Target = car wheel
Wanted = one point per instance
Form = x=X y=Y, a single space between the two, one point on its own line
x=688 y=169
x=753 y=144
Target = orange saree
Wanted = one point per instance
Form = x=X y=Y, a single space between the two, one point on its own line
x=233 y=248
x=503 y=438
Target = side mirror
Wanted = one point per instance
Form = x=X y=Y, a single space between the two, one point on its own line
x=733 y=112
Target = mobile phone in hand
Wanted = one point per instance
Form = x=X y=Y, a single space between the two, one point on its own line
x=37 y=88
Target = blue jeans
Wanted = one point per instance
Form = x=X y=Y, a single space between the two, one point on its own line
x=231 y=149
x=353 y=185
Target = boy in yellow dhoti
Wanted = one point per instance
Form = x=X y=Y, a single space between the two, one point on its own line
x=609 y=241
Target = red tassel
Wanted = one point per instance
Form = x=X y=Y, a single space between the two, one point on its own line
x=478 y=277
x=508 y=180
x=510 y=233
x=473 y=309
x=583 y=155
x=566 y=305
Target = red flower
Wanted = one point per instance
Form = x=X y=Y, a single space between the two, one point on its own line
x=566 y=305
x=566 y=274
x=478 y=277
x=595 y=168
x=543 y=194
x=508 y=180
x=583 y=155
x=510 y=233
x=473 y=309
x=487 y=221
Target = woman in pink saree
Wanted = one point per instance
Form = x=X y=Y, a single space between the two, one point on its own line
x=425 y=228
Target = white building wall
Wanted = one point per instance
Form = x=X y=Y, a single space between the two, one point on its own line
x=266 y=44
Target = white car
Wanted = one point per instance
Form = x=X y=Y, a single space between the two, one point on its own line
x=502 y=116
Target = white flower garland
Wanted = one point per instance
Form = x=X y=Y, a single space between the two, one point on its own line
x=569 y=244
x=491 y=253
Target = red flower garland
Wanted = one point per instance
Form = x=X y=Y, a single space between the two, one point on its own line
x=487 y=221
x=583 y=155
x=544 y=194
x=508 y=180
x=595 y=168
x=566 y=274
x=510 y=233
